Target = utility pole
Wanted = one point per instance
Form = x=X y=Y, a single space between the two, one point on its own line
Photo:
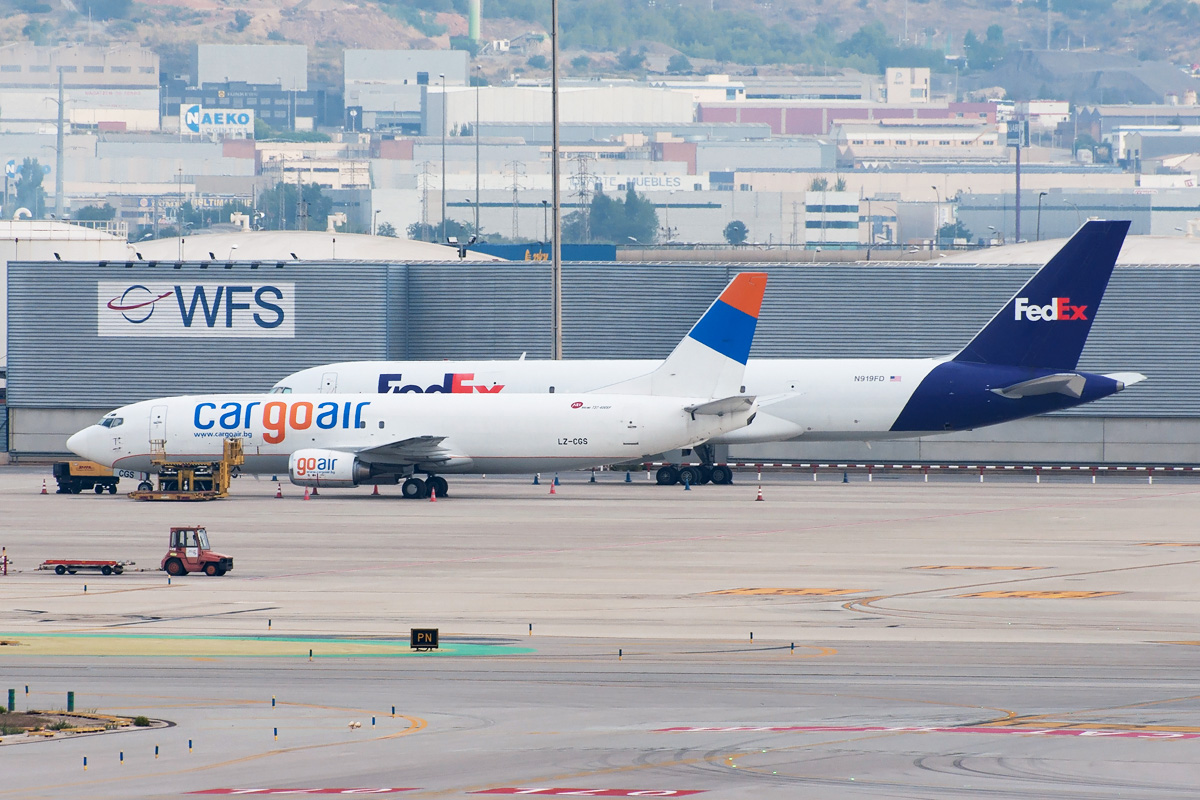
x=477 y=82
x=58 y=156
x=443 y=77
x=517 y=170
x=425 y=177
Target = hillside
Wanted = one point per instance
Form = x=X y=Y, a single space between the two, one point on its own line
x=610 y=35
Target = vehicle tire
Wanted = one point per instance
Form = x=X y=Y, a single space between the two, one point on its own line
x=175 y=567
x=106 y=570
x=705 y=473
x=210 y=570
x=112 y=488
x=414 y=489
x=60 y=570
x=145 y=486
x=118 y=569
x=722 y=476
x=220 y=572
x=439 y=485
x=98 y=488
x=667 y=476
x=70 y=571
x=689 y=475
x=75 y=488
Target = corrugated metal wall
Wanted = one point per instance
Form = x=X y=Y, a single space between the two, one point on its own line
x=56 y=358
x=346 y=311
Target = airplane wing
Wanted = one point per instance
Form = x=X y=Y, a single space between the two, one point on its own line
x=414 y=450
x=1068 y=383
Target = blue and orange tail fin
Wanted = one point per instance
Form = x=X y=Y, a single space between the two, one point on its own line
x=1047 y=322
x=711 y=360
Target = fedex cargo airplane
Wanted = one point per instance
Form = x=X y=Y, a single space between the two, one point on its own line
x=324 y=439
x=1023 y=362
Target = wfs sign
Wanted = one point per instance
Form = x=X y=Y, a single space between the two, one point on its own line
x=233 y=309
x=205 y=121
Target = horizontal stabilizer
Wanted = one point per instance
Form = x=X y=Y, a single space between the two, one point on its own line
x=1069 y=383
x=725 y=405
x=414 y=450
x=1126 y=379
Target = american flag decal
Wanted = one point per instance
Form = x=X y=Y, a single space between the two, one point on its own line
x=894 y=379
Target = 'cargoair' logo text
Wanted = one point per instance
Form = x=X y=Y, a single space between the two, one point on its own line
x=1059 y=308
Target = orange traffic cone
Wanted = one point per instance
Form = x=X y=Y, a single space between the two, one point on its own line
x=376 y=492
x=278 y=490
x=432 y=495
x=305 y=492
x=44 y=486
x=552 y=488
x=314 y=492
x=760 y=497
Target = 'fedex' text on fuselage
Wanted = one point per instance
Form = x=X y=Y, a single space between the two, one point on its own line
x=452 y=383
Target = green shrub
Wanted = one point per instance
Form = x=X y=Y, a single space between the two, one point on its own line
x=141 y=721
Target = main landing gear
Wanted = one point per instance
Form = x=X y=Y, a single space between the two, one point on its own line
x=696 y=474
x=417 y=489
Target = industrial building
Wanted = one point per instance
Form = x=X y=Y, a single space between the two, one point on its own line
x=412 y=309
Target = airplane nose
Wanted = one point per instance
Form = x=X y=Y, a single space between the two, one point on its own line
x=82 y=445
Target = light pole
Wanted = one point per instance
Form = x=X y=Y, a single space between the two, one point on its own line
x=1078 y=216
x=375 y=221
x=442 y=75
x=1039 y=224
x=479 y=79
x=937 y=218
x=668 y=215
x=546 y=221
x=556 y=244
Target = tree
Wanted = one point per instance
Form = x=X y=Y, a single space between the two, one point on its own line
x=679 y=63
x=629 y=60
x=736 y=232
x=538 y=61
x=986 y=54
x=106 y=9
x=581 y=63
x=433 y=232
x=240 y=20
x=30 y=194
x=953 y=230
x=819 y=184
x=287 y=207
x=386 y=229
x=105 y=212
x=613 y=221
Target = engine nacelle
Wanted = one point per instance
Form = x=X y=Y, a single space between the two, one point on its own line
x=327 y=468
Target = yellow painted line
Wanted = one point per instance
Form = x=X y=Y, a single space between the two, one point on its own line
x=804 y=592
x=1040 y=595
x=1168 y=544
x=941 y=566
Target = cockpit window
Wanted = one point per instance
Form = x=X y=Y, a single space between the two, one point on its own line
x=111 y=422
x=282 y=390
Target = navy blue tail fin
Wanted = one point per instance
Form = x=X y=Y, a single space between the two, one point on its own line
x=1047 y=323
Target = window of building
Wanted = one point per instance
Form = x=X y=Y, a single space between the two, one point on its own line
x=944 y=142
x=93 y=68
x=120 y=69
x=989 y=141
x=856 y=141
x=901 y=142
x=70 y=68
x=922 y=142
x=39 y=67
x=10 y=67
x=879 y=141
x=146 y=70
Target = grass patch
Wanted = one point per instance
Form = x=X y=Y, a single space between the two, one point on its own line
x=141 y=721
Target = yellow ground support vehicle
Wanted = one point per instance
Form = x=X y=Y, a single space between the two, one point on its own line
x=193 y=480
x=75 y=476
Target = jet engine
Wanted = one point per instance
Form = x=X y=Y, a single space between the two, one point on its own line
x=327 y=468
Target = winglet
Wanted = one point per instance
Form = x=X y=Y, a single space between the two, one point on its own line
x=710 y=361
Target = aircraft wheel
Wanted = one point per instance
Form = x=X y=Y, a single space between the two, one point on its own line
x=145 y=486
x=175 y=567
x=667 y=476
x=438 y=484
x=414 y=489
x=722 y=476
x=689 y=475
x=705 y=473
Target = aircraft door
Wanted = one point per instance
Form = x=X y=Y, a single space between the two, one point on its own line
x=158 y=423
x=633 y=432
x=329 y=382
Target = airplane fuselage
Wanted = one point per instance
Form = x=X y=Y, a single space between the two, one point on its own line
x=495 y=433
x=814 y=399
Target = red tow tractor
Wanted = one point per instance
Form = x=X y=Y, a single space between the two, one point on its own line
x=190 y=553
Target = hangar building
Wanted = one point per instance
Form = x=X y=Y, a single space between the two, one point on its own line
x=73 y=356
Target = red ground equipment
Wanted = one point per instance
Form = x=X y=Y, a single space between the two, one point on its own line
x=62 y=566
x=190 y=553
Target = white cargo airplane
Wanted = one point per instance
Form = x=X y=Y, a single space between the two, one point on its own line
x=1023 y=362
x=350 y=439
